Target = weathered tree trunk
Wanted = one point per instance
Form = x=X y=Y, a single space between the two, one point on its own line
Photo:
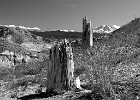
x=87 y=37
x=60 y=71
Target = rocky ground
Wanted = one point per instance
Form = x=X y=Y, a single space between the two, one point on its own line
x=110 y=69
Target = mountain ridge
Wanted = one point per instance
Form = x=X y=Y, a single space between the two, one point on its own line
x=105 y=28
x=23 y=27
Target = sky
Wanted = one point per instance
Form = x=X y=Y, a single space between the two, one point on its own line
x=67 y=14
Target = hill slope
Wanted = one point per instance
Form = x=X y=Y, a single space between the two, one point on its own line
x=112 y=63
x=23 y=61
x=23 y=37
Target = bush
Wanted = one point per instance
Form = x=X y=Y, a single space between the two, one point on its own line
x=100 y=62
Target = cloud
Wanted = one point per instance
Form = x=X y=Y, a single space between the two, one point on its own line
x=70 y=5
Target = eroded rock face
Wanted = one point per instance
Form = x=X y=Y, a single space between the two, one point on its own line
x=10 y=35
x=22 y=71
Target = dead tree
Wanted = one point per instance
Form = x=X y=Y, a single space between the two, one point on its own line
x=61 y=67
x=87 y=38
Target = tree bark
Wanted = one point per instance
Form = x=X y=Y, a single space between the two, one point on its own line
x=61 y=67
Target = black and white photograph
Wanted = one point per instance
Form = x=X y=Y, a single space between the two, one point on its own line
x=69 y=49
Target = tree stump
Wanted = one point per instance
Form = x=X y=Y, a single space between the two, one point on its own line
x=61 y=67
x=87 y=37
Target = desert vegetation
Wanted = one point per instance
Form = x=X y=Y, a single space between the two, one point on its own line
x=113 y=64
x=109 y=69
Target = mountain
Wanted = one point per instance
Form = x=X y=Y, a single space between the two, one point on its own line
x=128 y=34
x=120 y=49
x=115 y=59
x=64 y=30
x=58 y=34
x=105 y=28
x=23 y=58
x=23 y=27
x=23 y=38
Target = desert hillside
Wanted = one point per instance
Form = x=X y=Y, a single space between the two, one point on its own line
x=110 y=69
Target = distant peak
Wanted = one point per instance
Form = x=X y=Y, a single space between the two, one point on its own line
x=105 y=28
x=64 y=30
x=22 y=27
x=116 y=26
